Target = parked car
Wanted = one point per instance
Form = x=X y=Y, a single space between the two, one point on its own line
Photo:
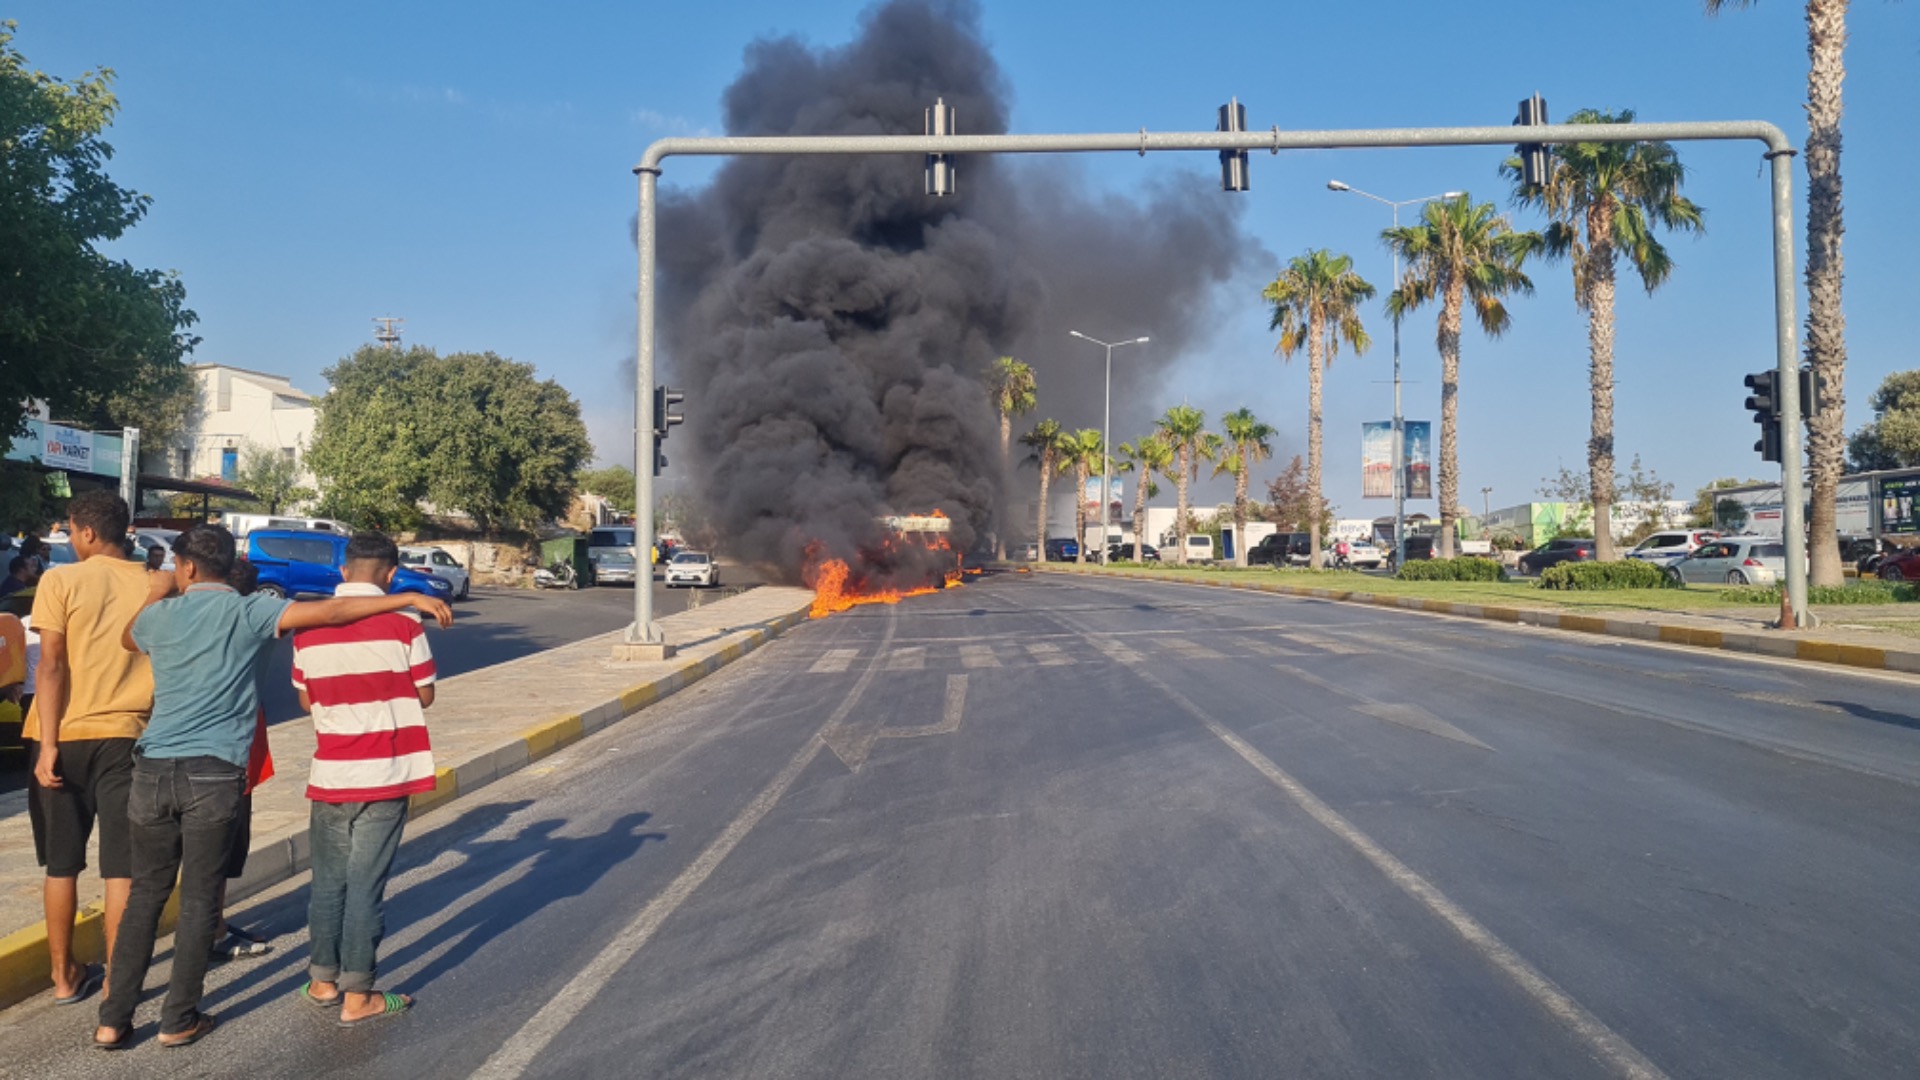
x=1199 y=548
x=1418 y=547
x=1865 y=552
x=1665 y=547
x=692 y=568
x=1273 y=549
x=437 y=562
x=615 y=568
x=1124 y=553
x=1899 y=564
x=1553 y=553
x=240 y=524
x=1736 y=560
x=1062 y=549
x=1362 y=555
x=145 y=540
x=306 y=562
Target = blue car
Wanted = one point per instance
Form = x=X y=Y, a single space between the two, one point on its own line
x=299 y=562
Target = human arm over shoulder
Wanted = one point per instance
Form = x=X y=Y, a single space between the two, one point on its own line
x=342 y=610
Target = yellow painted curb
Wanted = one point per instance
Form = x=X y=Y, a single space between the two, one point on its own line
x=1862 y=656
x=551 y=736
x=446 y=788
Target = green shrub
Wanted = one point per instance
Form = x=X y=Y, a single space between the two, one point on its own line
x=1861 y=592
x=1625 y=574
x=1464 y=568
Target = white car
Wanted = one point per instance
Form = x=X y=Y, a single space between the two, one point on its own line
x=692 y=568
x=145 y=540
x=1670 y=546
x=1362 y=554
x=436 y=561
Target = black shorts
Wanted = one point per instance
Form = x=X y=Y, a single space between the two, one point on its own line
x=242 y=836
x=95 y=776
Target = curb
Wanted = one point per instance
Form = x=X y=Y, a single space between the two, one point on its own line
x=24 y=963
x=1784 y=648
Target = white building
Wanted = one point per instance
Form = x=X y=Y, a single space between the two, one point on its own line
x=239 y=407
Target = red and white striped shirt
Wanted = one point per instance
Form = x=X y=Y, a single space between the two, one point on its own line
x=362 y=680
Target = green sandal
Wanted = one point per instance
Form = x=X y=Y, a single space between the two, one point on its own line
x=391 y=1005
x=306 y=995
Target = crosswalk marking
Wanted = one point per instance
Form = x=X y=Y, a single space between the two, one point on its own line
x=1267 y=648
x=1116 y=652
x=1047 y=654
x=1192 y=650
x=978 y=656
x=834 y=662
x=908 y=658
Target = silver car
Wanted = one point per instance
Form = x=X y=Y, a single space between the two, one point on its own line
x=1736 y=560
x=1669 y=546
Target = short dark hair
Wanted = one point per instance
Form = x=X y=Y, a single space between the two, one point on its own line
x=244 y=577
x=209 y=548
x=376 y=547
x=17 y=564
x=102 y=511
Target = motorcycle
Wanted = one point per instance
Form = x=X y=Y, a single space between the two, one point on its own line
x=558 y=576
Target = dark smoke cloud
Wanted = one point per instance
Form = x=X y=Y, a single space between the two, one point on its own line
x=832 y=322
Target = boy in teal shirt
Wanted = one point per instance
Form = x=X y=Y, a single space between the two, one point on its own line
x=189 y=767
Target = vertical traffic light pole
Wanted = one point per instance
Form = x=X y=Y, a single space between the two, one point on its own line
x=1779 y=152
x=644 y=639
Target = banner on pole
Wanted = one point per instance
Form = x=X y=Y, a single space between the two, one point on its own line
x=1376 y=459
x=1419 y=437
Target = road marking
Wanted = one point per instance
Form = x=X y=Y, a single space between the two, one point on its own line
x=513 y=1056
x=1796 y=702
x=1192 y=650
x=1048 y=655
x=908 y=658
x=1116 y=652
x=978 y=656
x=949 y=715
x=834 y=662
x=1393 y=712
x=1267 y=648
x=1605 y=1042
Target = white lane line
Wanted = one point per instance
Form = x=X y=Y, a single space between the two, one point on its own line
x=1048 y=655
x=1605 y=1042
x=833 y=662
x=978 y=656
x=518 y=1052
x=908 y=658
x=949 y=715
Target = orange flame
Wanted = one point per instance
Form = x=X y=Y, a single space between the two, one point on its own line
x=836 y=589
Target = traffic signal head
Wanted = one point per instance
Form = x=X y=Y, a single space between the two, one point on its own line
x=1764 y=403
x=1234 y=174
x=1812 y=389
x=940 y=174
x=664 y=399
x=1533 y=156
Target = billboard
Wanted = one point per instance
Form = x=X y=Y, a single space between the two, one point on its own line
x=67 y=448
x=1899 y=516
x=1376 y=459
x=1419 y=437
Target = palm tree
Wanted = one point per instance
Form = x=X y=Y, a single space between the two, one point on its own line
x=1603 y=201
x=1184 y=430
x=1826 y=322
x=1248 y=440
x=1010 y=385
x=1081 y=453
x=1316 y=303
x=1044 y=443
x=1459 y=251
x=1148 y=456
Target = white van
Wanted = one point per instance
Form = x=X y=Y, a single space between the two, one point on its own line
x=240 y=524
x=1199 y=548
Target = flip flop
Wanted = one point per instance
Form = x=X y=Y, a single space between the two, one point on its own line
x=89 y=982
x=201 y=1028
x=239 y=945
x=391 y=1005
x=306 y=995
x=123 y=1038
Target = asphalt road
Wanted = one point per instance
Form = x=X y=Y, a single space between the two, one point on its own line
x=1044 y=827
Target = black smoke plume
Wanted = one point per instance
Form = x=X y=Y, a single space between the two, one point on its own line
x=832 y=322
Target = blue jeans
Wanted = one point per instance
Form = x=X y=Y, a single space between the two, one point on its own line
x=180 y=817
x=353 y=846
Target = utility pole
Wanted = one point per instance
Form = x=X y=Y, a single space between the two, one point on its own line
x=389 y=333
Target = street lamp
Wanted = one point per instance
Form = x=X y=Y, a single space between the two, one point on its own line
x=1399 y=432
x=1486 y=505
x=1106 y=445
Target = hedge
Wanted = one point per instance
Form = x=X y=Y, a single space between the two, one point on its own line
x=1463 y=568
x=1625 y=574
x=1863 y=592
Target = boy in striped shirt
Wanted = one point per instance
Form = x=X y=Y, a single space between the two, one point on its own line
x=367 y=685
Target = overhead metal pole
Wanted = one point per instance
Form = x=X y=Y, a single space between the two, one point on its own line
x=1274 y=140
x=1106 y=438
x=644 y=638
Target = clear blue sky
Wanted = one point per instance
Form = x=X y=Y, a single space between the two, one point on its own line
x=467 y=166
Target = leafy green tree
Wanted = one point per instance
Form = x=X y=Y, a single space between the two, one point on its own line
x=96 y=339
x=1248 y=440
x=1011 y=387
x=470 y=432
x=1184 y=429
x=1044 y=445
x=1081 y=453
x=1290 y=500
x=1146 y=456
x=272 y=476
x=1826 y=318
x=613 y=483
x=1891 y=440
x=1316 y=303
x=1603 y=202
x=1458 y=253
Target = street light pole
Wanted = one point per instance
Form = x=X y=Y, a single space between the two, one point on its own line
x=1106 y=443
x=1399 y=425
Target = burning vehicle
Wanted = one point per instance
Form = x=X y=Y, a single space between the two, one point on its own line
x=910 y=555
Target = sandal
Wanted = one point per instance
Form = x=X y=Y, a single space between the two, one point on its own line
x=122 y=1038
x=202 y=1027
x=306 y=995
x=90 y=979
x=390 y=1005
x=240 y=945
